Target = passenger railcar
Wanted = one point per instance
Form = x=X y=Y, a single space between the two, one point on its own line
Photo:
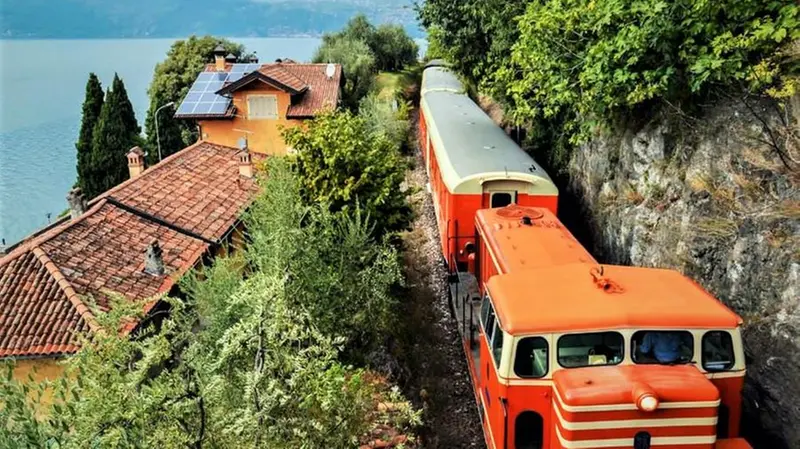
x=558 y=352
x=471 y=163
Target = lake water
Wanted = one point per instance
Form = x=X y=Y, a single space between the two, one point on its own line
x=42 y=86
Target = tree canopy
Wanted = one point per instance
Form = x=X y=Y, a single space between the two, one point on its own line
x=340 y=162
x=363 y=50
x=92 y=106
x=116 y=132
x=568 y=68
x=171 y=81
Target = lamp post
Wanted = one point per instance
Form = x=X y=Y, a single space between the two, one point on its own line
x=155 y=118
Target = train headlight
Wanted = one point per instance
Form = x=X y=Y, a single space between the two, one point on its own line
x=647 y=403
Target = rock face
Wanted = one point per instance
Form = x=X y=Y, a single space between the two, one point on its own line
x=712 y=198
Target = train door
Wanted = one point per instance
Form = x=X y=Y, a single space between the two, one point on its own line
x=501 y=193
x=492 y=398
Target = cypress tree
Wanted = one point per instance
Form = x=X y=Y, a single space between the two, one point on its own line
x=117 y=131
x=92 y=105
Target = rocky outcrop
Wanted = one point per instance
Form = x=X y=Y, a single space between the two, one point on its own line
x=711 y=197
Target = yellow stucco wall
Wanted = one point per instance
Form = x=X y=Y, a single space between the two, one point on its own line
x=46 y=369
x=264 y=135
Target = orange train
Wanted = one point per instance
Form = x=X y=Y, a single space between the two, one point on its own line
x=563 y=352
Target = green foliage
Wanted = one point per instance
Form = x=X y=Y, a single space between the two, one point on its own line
x=568 y=67
x=382 y=121
x=393 y=48
x=596 y=59
x=358 y=64
x=475 y=36
x=171 y=81
x=341 y=163
x=116 y=132
x=250 y=356
x=92 y=106
x=363 y=51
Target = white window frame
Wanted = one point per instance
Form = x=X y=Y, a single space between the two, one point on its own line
x=256 y=97
x=512 y=193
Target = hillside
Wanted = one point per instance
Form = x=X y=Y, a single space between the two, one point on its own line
x=174 y=18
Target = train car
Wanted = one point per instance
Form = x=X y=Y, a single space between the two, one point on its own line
x=436 y=78
x=567 y=353
x=472 y=164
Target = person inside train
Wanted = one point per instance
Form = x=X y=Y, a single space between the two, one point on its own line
x=664 y=347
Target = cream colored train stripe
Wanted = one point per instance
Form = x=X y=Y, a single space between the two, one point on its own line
x=486 y=418
x=635 y=423
x=618 y=407
x=628 y=442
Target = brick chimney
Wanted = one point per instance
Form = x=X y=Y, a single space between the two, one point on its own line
x=135 y=162
x=245 y=163
x=77 y=203
x=153 y=260
x=219 y=58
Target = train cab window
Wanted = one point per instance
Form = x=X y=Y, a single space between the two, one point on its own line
x=590 y=349
x=488 y=323
x=718 y=352
x=664 y=347
x=485 y=307
x=497 y=344
x=531 y=360
x=501 y=199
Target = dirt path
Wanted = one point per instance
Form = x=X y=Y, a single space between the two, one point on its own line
x=438 y=379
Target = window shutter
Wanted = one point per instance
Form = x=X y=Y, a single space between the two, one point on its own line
x=262 y=107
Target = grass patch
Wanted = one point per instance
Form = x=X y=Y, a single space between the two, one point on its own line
x=716 y=228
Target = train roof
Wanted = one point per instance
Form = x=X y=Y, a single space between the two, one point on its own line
x=518 y=246
x=438 y=79
x=471 y=149
x=578 y=297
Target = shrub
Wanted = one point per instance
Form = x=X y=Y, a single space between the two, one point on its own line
x=342 y=165
x=383 y=121
x=593 y=59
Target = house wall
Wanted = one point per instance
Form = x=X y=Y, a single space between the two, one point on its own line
x=45 y=369
x=264 y=136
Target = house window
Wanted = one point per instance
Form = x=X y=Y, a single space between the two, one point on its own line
x=262 y=107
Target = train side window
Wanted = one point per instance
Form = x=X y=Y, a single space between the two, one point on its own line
x=718 y=352
x=531 y=360
x=497 y=344
x=488 y=328
x=589 y=349
x=501 y=199
x=485 y=306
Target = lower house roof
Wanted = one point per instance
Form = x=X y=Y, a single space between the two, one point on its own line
x=52 y=283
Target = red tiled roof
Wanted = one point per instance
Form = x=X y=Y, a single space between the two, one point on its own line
x=187 y=202
x=316 y=92
x=280 y=73
x=322 y=93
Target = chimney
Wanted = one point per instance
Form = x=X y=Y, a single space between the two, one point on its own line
x=153 y=261
x=230 y=58
x=135 y=162
x=77 y=203
x=245 y=163
x=219 y=58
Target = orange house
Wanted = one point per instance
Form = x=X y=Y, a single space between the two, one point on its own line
x=237 y=104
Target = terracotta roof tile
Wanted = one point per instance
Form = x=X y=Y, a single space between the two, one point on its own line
x=186 y=202
x=282 y=74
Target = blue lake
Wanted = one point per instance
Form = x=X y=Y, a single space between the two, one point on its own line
x=42 y=85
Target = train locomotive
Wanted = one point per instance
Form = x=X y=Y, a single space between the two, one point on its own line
x=565 y=352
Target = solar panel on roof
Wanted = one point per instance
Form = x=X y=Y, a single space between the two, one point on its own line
x=202 y=98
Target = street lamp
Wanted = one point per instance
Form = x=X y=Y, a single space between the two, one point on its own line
x=155 y=117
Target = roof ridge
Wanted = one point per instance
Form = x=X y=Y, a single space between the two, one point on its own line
x=67 y=288
x=37 y=240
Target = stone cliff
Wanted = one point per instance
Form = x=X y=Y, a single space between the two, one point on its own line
x=718 y=198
